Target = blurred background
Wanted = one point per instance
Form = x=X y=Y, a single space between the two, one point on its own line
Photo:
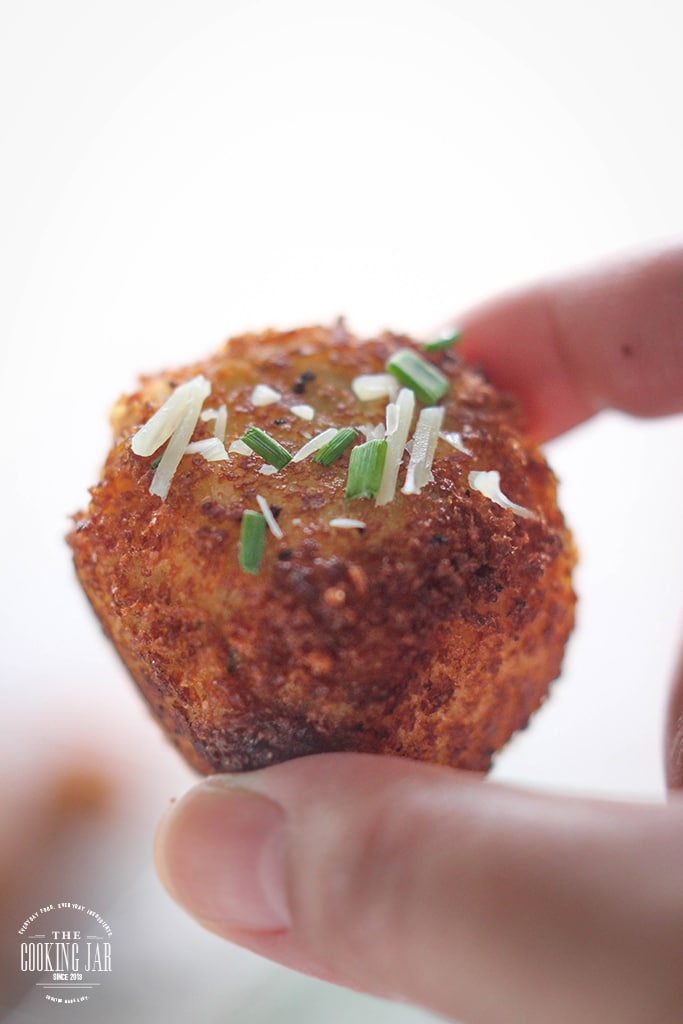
x=176 y=172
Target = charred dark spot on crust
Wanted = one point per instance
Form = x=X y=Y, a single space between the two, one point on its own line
x=214 y=510
x=314 y=500
x=256 y=744
x=279 y=422
x=299 y=386
x=232 y=661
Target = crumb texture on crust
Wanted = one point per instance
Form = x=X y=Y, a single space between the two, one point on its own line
x=433 y=633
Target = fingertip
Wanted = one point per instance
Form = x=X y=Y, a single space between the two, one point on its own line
x=219 y=852
x=569 y=348
x=514 y=340
x=159 y=847
x=417 y=882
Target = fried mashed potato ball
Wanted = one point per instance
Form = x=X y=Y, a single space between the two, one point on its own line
x=431 y=629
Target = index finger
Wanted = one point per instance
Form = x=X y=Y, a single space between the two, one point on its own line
x=612 y=338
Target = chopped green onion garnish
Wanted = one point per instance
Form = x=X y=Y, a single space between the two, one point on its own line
x=252 y=541
x=365 y=469
x=443 y=341
x=426 y=380
x=155 y=463
x=336 y=446
x=265 y=446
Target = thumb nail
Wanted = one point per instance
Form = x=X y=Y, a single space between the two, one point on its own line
x=220 y=852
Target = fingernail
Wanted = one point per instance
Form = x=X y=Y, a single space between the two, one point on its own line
x=221 y=854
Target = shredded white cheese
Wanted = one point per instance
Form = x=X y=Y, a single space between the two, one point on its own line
x=426 y=435
x=453 y=438
x=269 y=517
x=342 y=523
x=315 y=444
x=238 y=447
x=168 y=417
x=303 y=411
x=180 y=438
x=211 y=448
x=369 y=386
x=221 y=422
x=372 y=432
x=263 y=394
x=399 y=417
x=220 y=415
x=487 y=482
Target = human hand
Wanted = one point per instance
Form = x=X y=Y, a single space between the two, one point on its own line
x=484 y=903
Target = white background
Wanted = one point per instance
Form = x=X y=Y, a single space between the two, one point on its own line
x=176 y=172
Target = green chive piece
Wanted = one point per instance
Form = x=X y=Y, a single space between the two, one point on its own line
x=336 y=446
x=422 y=377
x=448 y=340
x=153 y=465
x=252 y=541
x=365 y=469
x=267 y=447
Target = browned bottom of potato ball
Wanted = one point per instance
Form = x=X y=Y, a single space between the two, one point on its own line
x=432 y=630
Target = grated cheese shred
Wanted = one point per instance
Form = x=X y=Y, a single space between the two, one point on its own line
x=263 y=395
x=159 y=427
x=198 y=390
x=211 y=448
x=221 y=423
x=369 y=386
x=454 y=439
x=419 y=472
x=399 y=417
x=314 y=445
x=238 y=447
x=220 y=415
x=487 y=482
x=270 y=519
x=303 y=411
x=372 y=432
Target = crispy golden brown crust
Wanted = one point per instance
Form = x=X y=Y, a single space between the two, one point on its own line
x=434 y=633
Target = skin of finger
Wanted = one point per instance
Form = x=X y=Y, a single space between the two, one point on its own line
x=612 y=338
x=481 y=903
x=674 y=731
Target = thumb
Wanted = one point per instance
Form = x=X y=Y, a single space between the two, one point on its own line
x=415 y=882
